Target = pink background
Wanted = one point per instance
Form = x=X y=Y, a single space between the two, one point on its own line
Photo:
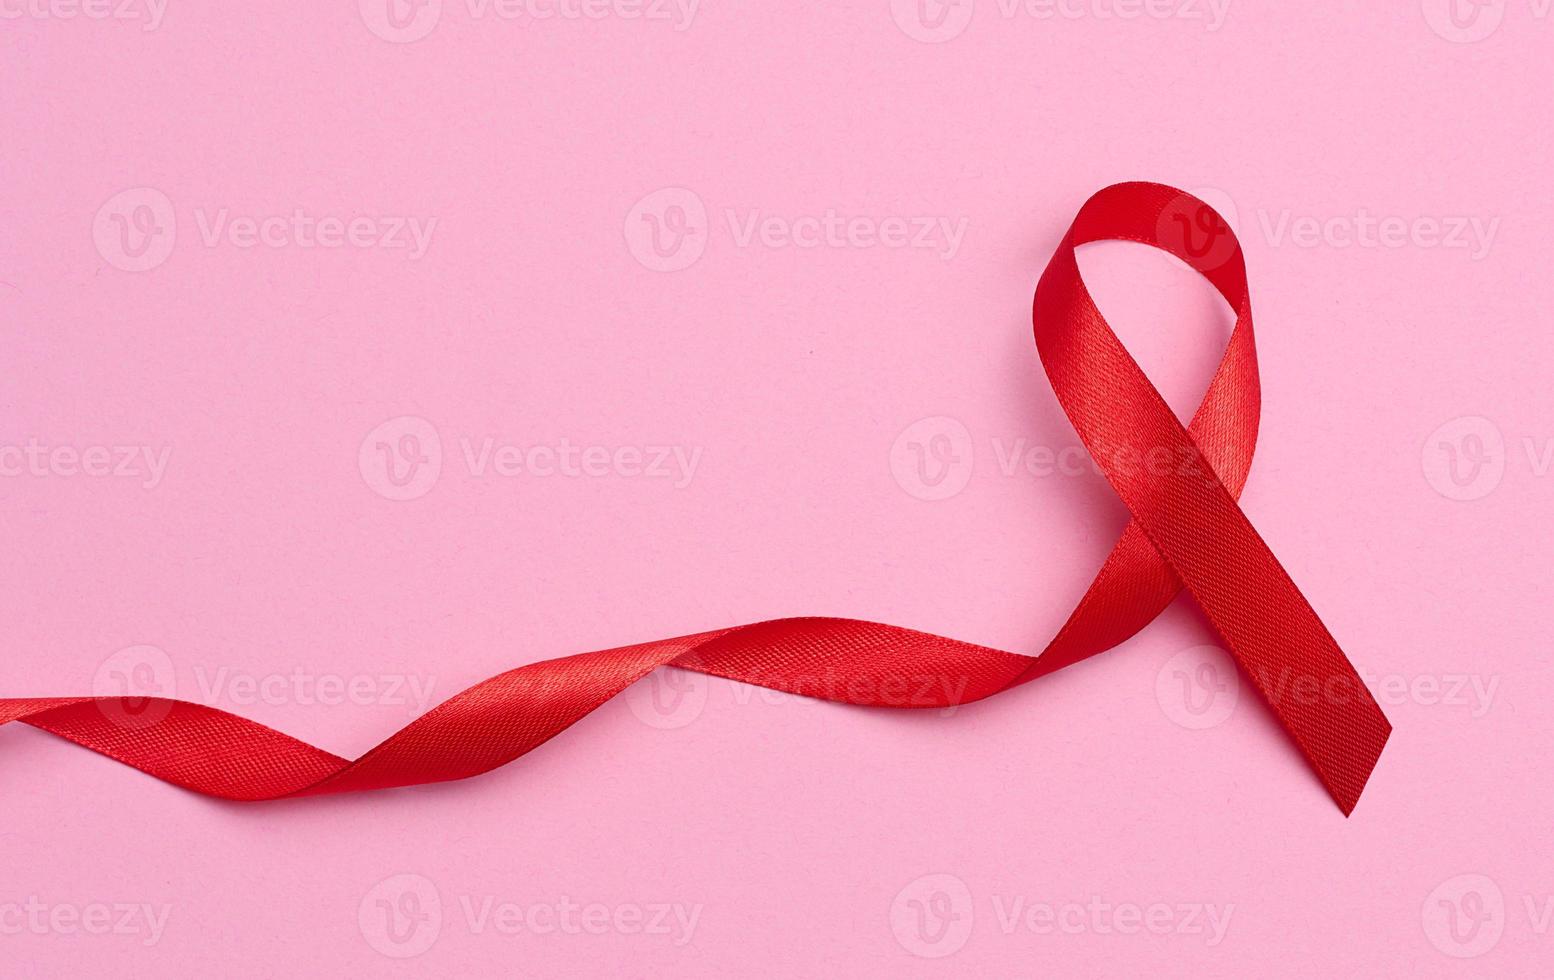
x=805 y=838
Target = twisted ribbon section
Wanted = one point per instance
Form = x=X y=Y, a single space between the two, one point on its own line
x=1179 y=483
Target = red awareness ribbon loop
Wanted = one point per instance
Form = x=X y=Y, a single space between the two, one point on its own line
x=1190 y=516
x=1180 y=485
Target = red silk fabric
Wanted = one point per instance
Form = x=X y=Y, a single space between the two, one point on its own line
x=1180 y=485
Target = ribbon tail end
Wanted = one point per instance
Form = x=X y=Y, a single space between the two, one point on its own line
x=1346 y=792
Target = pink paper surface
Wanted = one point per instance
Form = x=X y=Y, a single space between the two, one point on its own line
x=353 y=354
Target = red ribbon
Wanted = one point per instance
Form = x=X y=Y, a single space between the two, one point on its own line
x=1180 y=484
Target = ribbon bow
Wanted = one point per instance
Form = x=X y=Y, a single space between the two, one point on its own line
x=1187 y=531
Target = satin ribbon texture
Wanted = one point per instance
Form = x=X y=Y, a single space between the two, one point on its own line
x=1180 y=485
